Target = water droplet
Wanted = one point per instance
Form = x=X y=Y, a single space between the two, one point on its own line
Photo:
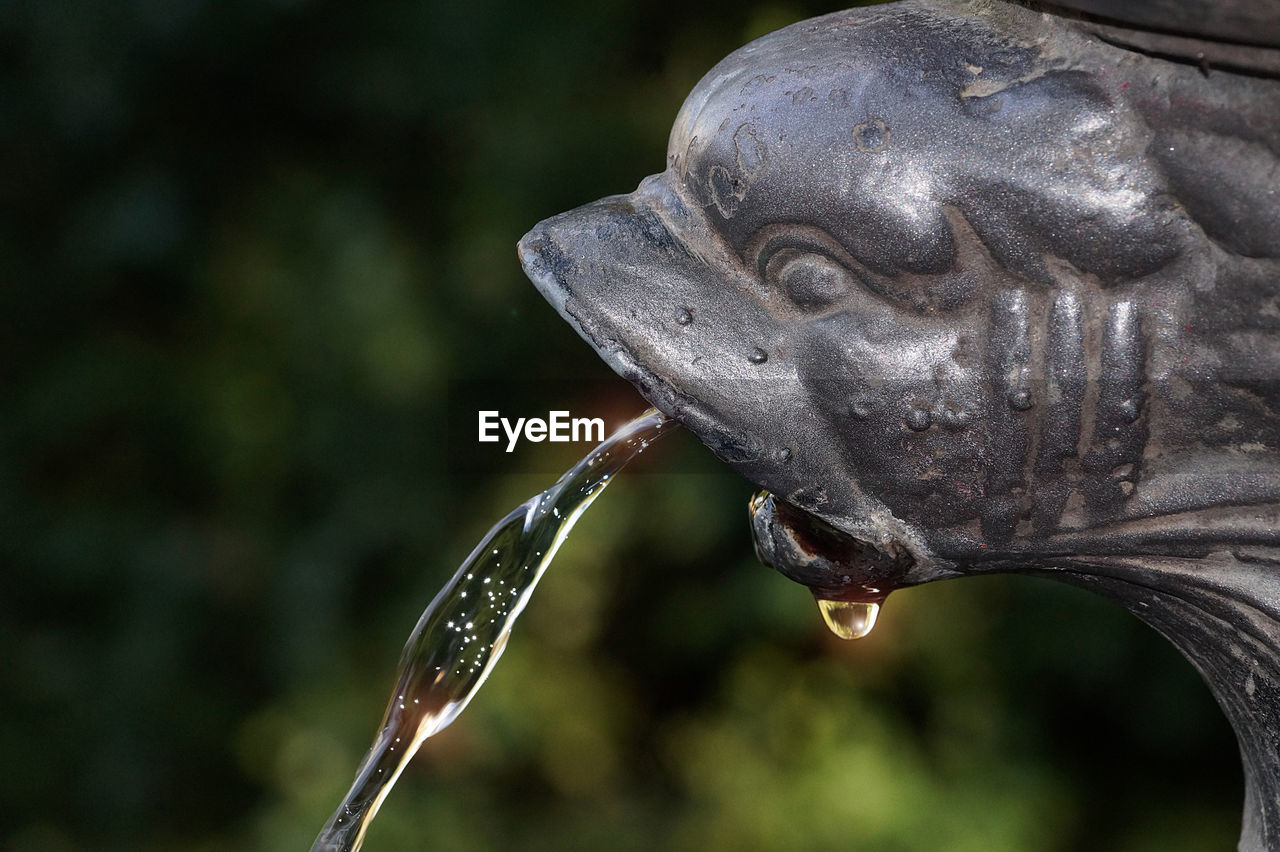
x=849 y=619
x=871 y=136
x=918 y=420
x=757 y=356
x=684 y=316
x=1020 y=399
x=860 y=407
x=955 y=416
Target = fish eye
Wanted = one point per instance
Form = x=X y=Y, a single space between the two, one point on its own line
x=812 y=280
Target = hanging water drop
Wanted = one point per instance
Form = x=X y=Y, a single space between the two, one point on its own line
x=849 y=619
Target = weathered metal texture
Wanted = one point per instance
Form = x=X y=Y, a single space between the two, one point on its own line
x=1241 y=21
x=983 y=291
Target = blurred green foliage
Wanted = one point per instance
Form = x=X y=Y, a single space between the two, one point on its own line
x=249 y=251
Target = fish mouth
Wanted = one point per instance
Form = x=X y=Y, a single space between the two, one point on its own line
x=833 y=564
x=631 y=274
x=656 y=291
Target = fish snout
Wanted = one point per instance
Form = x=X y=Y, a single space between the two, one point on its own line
x=650 y=286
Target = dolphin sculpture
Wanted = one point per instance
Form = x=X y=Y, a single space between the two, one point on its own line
x=972 y=288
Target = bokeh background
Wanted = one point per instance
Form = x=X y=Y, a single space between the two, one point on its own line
x=256 y=264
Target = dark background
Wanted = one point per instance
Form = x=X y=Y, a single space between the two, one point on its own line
x=257 y=261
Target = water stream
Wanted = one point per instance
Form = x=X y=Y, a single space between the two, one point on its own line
x=462 y=633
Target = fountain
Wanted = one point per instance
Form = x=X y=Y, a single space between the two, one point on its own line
x=973 y=289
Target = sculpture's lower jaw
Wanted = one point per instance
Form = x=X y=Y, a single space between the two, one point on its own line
x=544 y=264
x=832 y=564
x=616 y=271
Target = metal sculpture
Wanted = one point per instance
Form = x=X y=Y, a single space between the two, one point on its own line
x=973 y=288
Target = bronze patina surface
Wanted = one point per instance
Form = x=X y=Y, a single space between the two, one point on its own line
x=983 y=289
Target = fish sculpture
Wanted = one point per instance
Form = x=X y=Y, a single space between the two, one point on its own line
x=973 y=288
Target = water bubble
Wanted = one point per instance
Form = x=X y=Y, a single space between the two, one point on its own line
x=849 y=619
x=757 y=356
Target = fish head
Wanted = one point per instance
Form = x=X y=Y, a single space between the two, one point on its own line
x=967 y=289
x=869 y=226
